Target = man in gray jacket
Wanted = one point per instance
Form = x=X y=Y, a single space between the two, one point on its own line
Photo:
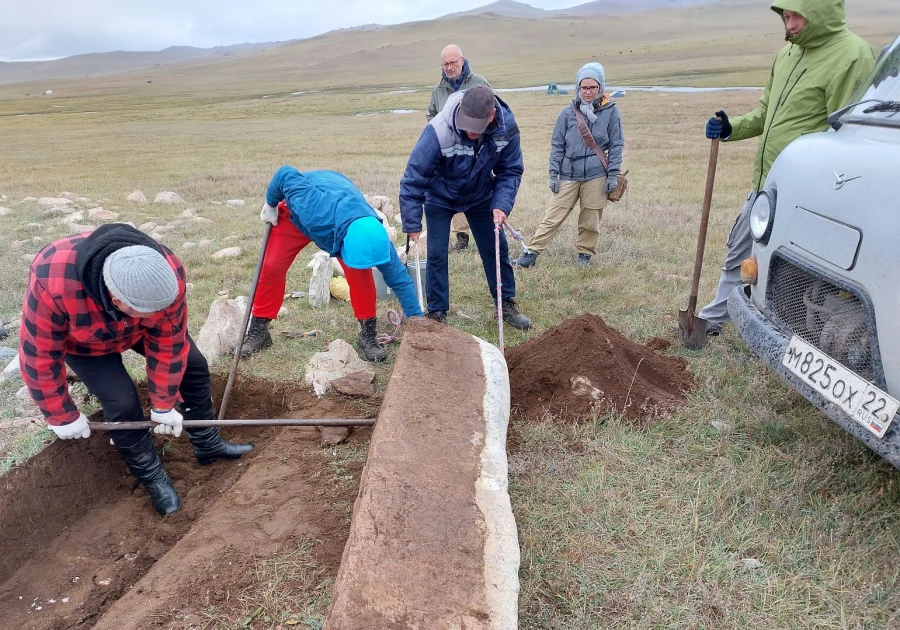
x=577 y=174
x=455 y=76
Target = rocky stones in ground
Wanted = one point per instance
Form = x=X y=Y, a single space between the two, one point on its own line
x=220 y=333
x=236 y=203
x=583 y=367
x=168 y=198
x=99 y=214
x=12 y=372
x=4 y=211
x=52 y=202
x=136 y=197
x=339 y=360
x=148 y=226
x=360 y=384
x=332 y=436
x=228 y=252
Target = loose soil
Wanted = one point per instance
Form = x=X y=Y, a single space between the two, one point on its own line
x=77 y=532
x=583 y=367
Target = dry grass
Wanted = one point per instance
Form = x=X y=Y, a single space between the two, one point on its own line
x=636 y=527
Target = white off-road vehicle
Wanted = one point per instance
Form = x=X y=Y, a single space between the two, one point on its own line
x=822 y=306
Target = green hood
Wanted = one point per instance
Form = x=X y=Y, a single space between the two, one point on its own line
x=824 y=17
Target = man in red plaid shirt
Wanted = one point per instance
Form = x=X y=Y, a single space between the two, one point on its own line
x=90 y=298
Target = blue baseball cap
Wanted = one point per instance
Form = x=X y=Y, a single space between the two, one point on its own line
x=366 y=244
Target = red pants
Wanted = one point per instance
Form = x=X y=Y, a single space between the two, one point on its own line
x=285 y=242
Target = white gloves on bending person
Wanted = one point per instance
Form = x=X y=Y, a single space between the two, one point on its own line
x=168 y=422
x=73 y=430
x=269 y=214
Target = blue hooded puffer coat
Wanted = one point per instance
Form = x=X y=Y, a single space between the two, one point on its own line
x=323 y=204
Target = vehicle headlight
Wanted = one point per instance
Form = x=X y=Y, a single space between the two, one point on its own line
x=762 y=216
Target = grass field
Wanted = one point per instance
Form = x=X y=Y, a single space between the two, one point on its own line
x=620 y=526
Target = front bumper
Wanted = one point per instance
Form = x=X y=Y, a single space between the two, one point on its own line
x=769 y=344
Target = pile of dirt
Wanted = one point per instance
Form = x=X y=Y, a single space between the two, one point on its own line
x=77 y=532
x=583 y=366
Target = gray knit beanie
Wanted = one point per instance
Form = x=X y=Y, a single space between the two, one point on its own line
x=592 y=70
x=141 y=278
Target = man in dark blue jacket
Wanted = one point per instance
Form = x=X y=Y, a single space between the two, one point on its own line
x=325 y=208
x=467 y=160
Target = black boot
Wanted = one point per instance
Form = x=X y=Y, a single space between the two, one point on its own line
x=528 y=259
x=368 y=340
x=210 y=446
x=513 y=317
x=438 y=316
x=257 y=336
x=462 y=241
x=143 y=463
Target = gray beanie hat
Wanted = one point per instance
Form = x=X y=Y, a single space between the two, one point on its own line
x=593 y=71
x=141 y=278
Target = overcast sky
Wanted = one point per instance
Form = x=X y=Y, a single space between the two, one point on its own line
x=48 y=29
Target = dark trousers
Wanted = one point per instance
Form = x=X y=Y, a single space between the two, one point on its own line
x=481 y=223
x=106 y=378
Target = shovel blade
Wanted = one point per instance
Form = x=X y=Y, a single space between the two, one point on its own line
x=692 y=329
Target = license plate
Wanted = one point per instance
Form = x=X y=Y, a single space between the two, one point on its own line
x=860 y=399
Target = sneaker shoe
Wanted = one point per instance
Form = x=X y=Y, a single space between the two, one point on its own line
x=528 y=259
x=438 y=316
x=513 y=317
x=462 y=242
x=584 y=260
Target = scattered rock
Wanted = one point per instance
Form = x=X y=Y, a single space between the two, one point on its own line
x=4 y=211
x=202 y=220
x=52 y=202
x=228 y=252
x=236 y=203
x=12 y=374
x=29 y=258
x=3 y=335
x=188 y=245
x=360 y=384
x=100 y=214
x=187 y=214
x=78 y=228
x=332 y=436
x=7 y=354
x=338 y=361
x=162 y=229
x=29 y=199
x=221 y=331
x=720 y=426
x=68 y=195
x=148 y=227
x=37 y=240
x=4 y=198
x=73 y=217
x=136 y=197
x=16 y=246
x=168 y=198
x=82 y=200
x=751 y=564
x=216 y=203
x=205 y=242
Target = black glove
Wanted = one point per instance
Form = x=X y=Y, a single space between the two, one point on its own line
x=718 y=126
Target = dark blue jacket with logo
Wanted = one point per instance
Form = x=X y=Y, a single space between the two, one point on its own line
x=448 y=169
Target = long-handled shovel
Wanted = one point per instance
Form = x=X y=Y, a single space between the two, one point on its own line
x=223 y=406
x=691 y=327
x=497 y=228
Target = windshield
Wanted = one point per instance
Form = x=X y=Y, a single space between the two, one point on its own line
x=883 y=85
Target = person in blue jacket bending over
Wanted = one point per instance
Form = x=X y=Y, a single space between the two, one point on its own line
x=467 y=160
x=326 y=208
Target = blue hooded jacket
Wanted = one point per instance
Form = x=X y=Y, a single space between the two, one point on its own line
x=448 y=169
x=323 y=204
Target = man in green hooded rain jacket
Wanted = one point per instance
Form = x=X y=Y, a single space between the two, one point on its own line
x=815 y=74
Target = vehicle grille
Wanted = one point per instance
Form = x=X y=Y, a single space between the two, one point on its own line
x=836 y=319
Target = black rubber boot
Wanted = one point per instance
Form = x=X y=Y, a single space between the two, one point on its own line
x=462 y=242
x=528 y=259
x=438 y=316
x=210 y=446
x=513 y=317
x=144 y=464
x=257 y=336
x=368 y=340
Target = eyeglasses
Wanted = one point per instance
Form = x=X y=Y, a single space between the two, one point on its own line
x=589 y=88
x=450 y=64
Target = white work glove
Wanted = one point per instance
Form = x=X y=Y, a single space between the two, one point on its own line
x=269 y=214
x=77 y=429
x=168 y=422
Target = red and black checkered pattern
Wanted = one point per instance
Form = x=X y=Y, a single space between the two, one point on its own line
x=59 y=318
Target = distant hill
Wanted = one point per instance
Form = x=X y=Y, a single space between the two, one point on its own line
x=605 y=7
x=506 y=8
x=102 y=64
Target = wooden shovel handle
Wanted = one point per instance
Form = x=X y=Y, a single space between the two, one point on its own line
x=704 y=222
